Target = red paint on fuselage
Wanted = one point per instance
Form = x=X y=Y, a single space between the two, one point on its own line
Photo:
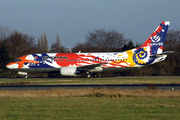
x=76 y=59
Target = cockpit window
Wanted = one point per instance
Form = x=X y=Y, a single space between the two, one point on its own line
x=17 y=60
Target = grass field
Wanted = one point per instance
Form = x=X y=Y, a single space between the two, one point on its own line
x=89 y=108
x=109 y=80
x=92 y=103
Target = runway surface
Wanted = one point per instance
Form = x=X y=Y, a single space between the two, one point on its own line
x=82 y=86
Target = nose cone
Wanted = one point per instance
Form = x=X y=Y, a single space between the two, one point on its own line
x=12 y=65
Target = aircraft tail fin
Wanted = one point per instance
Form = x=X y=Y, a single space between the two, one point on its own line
x=157 y=38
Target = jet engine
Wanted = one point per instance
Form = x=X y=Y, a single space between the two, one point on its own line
x=68 y=71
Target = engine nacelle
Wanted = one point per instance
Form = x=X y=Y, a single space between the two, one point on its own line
x=68 y=71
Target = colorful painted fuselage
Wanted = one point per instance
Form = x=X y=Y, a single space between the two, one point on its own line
x=149 y=53
x=54 y=61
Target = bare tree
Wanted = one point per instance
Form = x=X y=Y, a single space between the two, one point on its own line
x=20 y=44
x=46 y=46
x=56 y=47
x=43 y=44
x=172 y=43
x=172 y=40
x=4 y=33
x=81 y=47
x=102 y=40
x=58 y=41
x=39 y=49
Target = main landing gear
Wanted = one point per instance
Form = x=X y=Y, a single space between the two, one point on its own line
x=89 y=74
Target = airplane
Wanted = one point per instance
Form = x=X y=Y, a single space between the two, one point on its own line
x=72 y=64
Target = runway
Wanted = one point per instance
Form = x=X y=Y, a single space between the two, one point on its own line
x=84 y=86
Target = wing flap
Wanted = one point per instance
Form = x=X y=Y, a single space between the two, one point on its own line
x=89 y=67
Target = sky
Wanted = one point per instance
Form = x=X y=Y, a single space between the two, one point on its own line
x=72 y=20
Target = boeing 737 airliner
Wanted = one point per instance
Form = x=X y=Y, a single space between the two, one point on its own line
x=72 y=64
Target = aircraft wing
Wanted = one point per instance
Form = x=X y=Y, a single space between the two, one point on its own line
x=90 y=67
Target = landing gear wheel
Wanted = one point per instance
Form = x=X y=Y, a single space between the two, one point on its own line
x=88 y=75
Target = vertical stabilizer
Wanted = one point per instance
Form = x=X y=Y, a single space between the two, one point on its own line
x=157 y=38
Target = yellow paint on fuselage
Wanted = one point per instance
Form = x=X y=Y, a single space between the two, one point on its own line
x=130 y=58
x=120 y=55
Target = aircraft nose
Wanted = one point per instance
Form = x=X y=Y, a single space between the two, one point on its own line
x=12 y=65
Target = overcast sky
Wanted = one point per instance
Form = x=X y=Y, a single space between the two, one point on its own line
x=73 y=19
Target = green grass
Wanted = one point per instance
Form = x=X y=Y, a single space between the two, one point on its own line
x=89 y=108
x=102 y=104
x=109 y=80
x=74 y=104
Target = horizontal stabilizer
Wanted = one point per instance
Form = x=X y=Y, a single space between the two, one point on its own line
x=164 y=53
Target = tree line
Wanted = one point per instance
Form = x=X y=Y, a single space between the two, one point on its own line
x=14 y=44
